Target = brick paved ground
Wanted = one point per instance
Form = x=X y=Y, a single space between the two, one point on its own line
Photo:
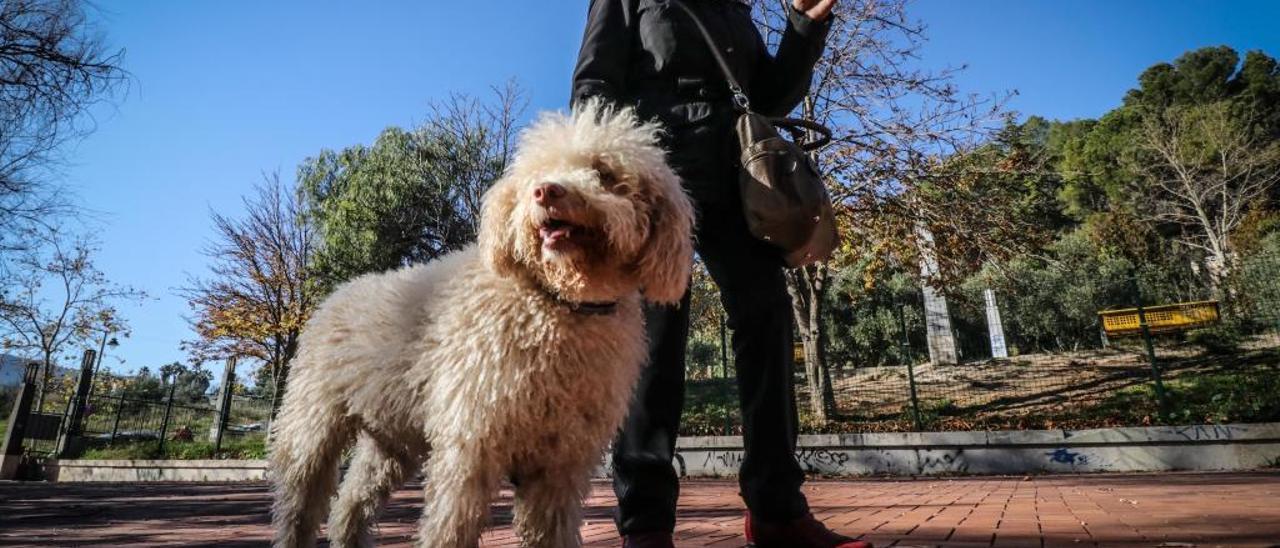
x=1100 y=510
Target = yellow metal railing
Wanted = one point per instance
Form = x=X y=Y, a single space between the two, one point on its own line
x=1161 y=319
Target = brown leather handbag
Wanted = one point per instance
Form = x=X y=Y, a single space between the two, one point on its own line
x=783 y=196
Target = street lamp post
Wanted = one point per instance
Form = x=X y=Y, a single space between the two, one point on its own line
x=102 y=347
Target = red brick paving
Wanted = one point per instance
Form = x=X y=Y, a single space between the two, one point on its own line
x=1238 y=509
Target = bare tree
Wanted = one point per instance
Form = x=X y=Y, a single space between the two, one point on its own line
x=1202 y=169
x=891 y=123
x=482 y=135
x=54 y=298
x=53 y=68
x=260 y=291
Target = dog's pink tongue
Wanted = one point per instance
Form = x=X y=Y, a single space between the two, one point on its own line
x=553 y=235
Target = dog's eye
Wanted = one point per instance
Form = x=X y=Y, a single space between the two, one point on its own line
x=621 y=189
x=609 y=181
x=612 y=183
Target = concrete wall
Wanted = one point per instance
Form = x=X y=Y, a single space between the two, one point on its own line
x=1220 y=447
x=1212 y=447
x=157 y=470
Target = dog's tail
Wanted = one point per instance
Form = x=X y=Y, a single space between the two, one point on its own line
x=307 y=439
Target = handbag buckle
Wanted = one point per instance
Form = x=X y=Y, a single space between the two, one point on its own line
x=740 y=99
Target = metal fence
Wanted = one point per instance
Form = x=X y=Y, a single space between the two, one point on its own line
x=67 y=417
x=1061 y=371
x=48 y=411
x=177 y=427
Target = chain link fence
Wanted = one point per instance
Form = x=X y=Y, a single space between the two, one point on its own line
x=1060 y=369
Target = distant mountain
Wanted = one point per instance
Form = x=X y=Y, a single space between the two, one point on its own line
x=12 y=368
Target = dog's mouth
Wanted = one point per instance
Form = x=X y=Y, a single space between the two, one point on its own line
x=558 y=234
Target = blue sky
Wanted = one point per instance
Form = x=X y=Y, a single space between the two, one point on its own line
x=225 y=92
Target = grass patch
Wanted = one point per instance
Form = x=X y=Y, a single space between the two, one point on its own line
x=1207 y=398
x=1252 y=396
x=931 y=412
x=251 y=447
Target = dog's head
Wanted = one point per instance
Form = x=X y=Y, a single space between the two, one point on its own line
x=590 y=209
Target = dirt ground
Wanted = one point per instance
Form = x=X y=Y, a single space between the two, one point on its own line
x=1028 y=385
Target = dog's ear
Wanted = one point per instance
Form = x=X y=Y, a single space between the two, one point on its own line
x=666 y=260
x=497 y=238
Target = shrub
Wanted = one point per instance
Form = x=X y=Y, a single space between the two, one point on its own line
x=702 y=358
x=1217 y=340
x=253 y=447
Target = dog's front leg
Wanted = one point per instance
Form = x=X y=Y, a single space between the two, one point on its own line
x=459 y=486
x=548 y=509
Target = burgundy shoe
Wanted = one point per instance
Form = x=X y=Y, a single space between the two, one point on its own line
x=805 y=532
x=648 y=540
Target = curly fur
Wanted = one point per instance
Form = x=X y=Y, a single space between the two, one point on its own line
x=472 y=368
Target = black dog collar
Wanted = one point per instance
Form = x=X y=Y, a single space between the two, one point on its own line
x=585 y=308
x=589 y=309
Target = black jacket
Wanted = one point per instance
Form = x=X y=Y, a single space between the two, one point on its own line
x=649 y=50
x=650 y=54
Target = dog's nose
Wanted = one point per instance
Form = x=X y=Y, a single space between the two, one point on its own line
x=547 y=193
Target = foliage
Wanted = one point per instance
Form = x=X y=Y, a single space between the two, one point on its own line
x=892 y=126
x=148 y=388
x=711 y=408
x=253 y=447
x=192 y=382
x=1051 y=304
x=145 y=386
x=1219 y=340
x=8 y=398
x=1216 y=398
x=868 y=309
x=262 y=288
x=53 y=298
x=1202 y=170
x=703 y=355
x=1255 y=286
x=702 y=358
x=1259 y=229
x=411 y=196
x=991 y=203
x=54 y=66
x=1191 y=150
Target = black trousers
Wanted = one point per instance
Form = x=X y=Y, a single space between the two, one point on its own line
x=753 y=291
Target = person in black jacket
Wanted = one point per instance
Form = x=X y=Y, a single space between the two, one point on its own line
x=649 y=54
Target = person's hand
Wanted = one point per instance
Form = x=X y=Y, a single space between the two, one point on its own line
x=818 y=10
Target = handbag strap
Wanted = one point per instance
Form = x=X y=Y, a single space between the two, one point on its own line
x=803 y=132
x=795 y=125
x=739 y=96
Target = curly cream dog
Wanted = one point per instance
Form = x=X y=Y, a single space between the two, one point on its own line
x=512 y=358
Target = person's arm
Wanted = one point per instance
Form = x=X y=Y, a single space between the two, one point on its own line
x=606 y=49
x=782 y=80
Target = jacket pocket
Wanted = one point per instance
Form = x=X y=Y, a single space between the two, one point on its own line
x=696 y=137
x=684 y=115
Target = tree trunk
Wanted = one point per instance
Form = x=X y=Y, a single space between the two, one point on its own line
x=806 y=286
x=45 y=377
x=279 y=376
x=280 y=369
x=1220 y=266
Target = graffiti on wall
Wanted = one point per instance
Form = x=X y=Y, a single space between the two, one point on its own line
x=1207 y=432
x=1067 y=456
